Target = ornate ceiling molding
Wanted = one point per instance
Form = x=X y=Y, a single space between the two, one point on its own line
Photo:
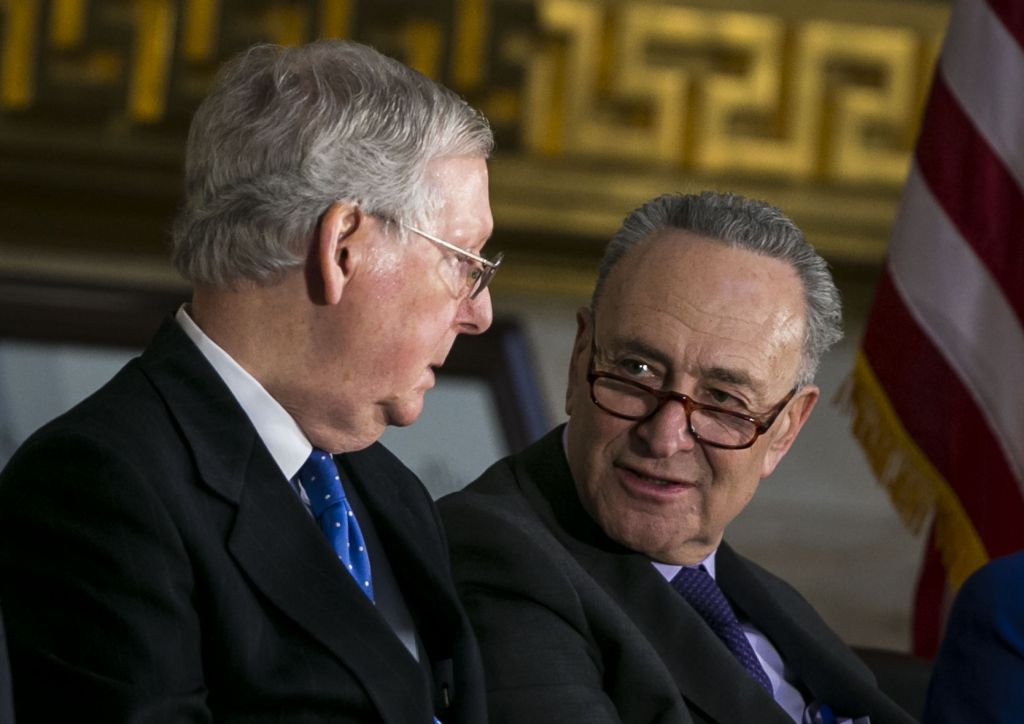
x=597 y=105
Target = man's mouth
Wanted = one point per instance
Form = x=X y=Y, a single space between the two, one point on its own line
x=636 y=476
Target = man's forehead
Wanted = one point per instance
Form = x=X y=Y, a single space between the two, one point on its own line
x=678 y=272
x=462 y=184
x=734 y=311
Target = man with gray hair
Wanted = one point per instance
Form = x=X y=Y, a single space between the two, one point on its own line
x=216 y=535
x=593 y=564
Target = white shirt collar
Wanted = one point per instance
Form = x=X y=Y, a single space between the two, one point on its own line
x=669 y=570
x=287 y=444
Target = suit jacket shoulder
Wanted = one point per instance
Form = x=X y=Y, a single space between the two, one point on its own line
x=980 y=666
x=604 y=638
x=539 y=577
x=6 y=698
x=200 y=585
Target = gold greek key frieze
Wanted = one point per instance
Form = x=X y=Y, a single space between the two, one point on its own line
x=17 y=53
x=686 y=85
x=723 y=91
x=140 y=55
x=807 y=92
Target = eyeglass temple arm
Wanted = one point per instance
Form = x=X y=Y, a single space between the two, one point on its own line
x=457 y=249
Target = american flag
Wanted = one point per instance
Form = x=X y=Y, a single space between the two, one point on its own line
x=937 y=392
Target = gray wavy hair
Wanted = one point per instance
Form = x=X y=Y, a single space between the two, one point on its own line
x=747 y=224
x=286 y=132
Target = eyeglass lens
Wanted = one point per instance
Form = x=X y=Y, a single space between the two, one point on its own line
x=486 y=273
x=717 y=427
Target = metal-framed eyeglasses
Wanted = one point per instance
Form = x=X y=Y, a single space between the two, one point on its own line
x=480 y=270
x=715 y=426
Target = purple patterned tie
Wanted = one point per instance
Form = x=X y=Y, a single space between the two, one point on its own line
x=700 y=590
x=319 y=478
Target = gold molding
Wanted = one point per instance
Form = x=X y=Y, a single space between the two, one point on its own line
x=564 y=202
x=597 y=105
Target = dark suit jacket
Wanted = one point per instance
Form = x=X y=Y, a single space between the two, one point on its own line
x=979 y=672
x=156 y=566
x=575 y=628
x=6 y=698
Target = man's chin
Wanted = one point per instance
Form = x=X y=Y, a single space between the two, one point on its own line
x=404 y=413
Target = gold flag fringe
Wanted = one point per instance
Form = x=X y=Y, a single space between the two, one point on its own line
x=917 y=490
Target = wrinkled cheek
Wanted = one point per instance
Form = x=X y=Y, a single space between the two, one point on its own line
x=406 y=414
x=742 y=492
x=649 y=533
x=603 y=502
x=402 y=403
x=621 y=523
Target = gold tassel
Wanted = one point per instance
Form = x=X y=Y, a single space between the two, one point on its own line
x=917 y=490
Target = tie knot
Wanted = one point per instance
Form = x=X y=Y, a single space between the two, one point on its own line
x=319 y=478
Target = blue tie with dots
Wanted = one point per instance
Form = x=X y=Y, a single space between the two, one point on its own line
x=319 y=478
x=702 y=592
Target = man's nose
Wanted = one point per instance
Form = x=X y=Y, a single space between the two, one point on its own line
x=666 y=432
x=475 y=315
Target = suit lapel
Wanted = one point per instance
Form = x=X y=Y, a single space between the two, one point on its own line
x=708 y=675
x=409 y=531
x=279 y=546
x=273 y=539
x=823 y=670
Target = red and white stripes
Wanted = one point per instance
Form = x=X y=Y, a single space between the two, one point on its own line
x=938 y=392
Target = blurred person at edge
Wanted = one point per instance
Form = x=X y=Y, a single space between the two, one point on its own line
x=979 y=669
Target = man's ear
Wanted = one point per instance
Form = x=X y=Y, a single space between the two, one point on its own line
x=580 y=353
x=338 y=247
x=787 y=427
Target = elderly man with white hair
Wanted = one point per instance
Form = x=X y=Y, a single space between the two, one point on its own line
x=216 y=535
